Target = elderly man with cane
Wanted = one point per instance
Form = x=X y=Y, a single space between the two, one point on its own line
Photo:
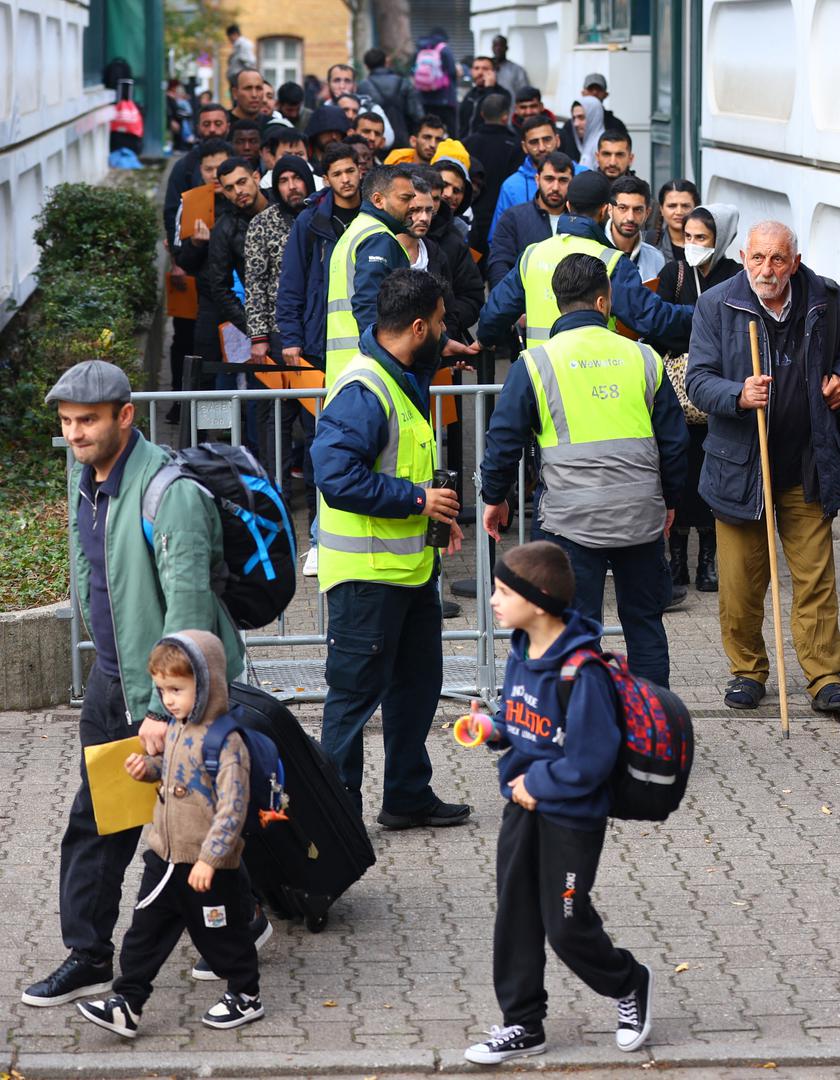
x=795 y=313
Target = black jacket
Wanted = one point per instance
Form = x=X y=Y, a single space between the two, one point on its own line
x=185 y=175
x=674 y=292
x=226 y=254
x=467 y=286
x=469 y=111
x=519 y=226
x=500 y=152
x=193 y=257
x=720 y=361
x=398 y=98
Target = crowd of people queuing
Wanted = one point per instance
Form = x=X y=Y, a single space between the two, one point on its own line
x=373 y=238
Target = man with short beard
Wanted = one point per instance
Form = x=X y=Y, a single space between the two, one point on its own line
x=247 y=90
x=798 y=315
x=530 y=222
x=213 y=123
x=374 y=561
x=539 y=138
x=629 y=211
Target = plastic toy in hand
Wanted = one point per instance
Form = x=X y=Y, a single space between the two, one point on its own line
x=475 y=728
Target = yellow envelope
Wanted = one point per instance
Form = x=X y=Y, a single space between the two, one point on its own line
x=119 y=802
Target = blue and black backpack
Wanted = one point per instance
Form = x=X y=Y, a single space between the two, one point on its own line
x=257 y=580
x=268 y=800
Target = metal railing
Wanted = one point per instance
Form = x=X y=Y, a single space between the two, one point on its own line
x=294 y=679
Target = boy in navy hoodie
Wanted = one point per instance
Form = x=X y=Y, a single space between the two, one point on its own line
x=555 y=775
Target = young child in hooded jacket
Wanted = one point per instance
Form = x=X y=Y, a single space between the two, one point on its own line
x=191 y=877
x=554 y=774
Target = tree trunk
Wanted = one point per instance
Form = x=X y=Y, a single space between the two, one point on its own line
x=393 y=24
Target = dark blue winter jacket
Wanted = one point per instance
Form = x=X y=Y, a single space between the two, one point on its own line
x=636 y=306
x=516 y=415
x=351 y=434
x=518 y=227
x=566 y=759
x=376 y=257
x=301 y=311
x=719 y=362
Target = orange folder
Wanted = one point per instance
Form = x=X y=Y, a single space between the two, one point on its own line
x=181 y=296
x=307 y=379
x=625 y=331
x=198 y=203
x=448 y=410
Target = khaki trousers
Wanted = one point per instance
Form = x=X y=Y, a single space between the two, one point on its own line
x=744 y=574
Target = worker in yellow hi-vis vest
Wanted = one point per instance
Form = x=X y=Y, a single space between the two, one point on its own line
x=613 y=458
x=374 y=460
x=526 y=288
x=366 y=254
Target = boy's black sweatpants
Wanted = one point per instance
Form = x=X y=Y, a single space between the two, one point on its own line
x=544 y=873
x=215 y=921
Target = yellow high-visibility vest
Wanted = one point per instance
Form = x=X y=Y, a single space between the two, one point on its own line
x=358 y=547
x=599 y=456
x=536 y=269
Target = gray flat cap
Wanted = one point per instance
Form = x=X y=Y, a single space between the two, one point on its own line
x=90 y=382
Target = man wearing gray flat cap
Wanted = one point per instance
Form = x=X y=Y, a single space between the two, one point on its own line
x=131 y=595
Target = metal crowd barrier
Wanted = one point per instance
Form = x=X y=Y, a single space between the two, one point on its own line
x=302 y=679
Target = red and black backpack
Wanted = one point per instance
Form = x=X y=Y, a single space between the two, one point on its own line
x=657 y=745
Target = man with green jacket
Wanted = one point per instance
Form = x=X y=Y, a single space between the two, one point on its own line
x=130 y=596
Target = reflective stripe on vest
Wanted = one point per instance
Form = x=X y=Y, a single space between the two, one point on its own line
x=342 y=329
x=536 y=269
x=599 y=456
x=358 y=547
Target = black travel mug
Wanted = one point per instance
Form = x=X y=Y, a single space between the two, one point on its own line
x=437 y=535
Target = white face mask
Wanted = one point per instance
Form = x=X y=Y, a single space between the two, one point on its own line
x=697 y=255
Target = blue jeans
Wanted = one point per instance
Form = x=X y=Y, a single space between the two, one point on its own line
x=384 y=647
x=642 y=591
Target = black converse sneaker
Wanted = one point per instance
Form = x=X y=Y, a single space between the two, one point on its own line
x=507 y=1042
x=75 y=978
x=634 y=1015
x=114 y=1013
x=233 y=1010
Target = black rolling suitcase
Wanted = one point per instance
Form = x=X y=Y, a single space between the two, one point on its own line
x=302 y=865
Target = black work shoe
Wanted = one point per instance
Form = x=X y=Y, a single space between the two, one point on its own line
x=827 y=700
x=507 y=1042
x=233 y=1010
x=634 y=1015
x=75 y=978
x=114 y=1013
x=678 y=595
x=438 y=815
x=743 y=693
x=261 y=930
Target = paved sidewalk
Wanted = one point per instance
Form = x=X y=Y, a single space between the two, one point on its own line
x=742 y=886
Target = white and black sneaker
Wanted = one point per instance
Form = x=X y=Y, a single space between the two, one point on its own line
x=507 y=1042
x=634 y=1015
x=233 y=1010
x=114 y=1013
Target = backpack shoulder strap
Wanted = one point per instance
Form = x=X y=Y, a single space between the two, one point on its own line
x=155 y=490
x=214 y=740
x=571 y=666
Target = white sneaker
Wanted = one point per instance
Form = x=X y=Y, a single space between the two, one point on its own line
x=507 y=1042
x=233 y=1010
x=634 y=1015
x=310 y=563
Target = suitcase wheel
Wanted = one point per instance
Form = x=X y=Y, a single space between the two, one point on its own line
x=316 y=923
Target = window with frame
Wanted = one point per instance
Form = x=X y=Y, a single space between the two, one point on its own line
x=281 y=60
x=604 y=20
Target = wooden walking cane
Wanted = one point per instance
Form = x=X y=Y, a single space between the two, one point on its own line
x=771 y=537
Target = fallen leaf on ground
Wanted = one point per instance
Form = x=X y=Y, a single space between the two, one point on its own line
x=786 y=791
x=770 y=1065
x=825 y=810
x=443 y=727
x=329 y=1004
x=739 y=903
x=681 y=967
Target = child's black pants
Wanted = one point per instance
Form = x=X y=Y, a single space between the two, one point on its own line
x=544 y=873
x=215 y=920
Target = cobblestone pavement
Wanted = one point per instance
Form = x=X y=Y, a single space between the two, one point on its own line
x=739 y=890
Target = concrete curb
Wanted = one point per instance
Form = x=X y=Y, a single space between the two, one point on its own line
x=35 y=646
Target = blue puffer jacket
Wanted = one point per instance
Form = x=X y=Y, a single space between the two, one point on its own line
x=301 y=311
x=521 y=187
x=636 y=306
x=720 y=361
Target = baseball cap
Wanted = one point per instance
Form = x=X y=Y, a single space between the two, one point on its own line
x=595 y=79
x=588 y=190
x=90 y=382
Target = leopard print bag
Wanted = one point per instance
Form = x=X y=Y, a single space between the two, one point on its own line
x=675 y=368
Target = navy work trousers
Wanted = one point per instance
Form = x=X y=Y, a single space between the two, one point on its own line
x=642 y=591
x=384 y=647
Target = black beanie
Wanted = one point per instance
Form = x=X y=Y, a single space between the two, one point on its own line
x=293 y=163
x=588 y=191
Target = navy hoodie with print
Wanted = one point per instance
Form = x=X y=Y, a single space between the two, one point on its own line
x=565 y=771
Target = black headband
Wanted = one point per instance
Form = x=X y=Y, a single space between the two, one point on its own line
x=528 y=590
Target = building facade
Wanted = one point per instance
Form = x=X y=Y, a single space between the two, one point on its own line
x=738 y=95
x=54 y=119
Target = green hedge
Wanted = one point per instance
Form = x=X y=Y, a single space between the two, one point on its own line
x=97 y=279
